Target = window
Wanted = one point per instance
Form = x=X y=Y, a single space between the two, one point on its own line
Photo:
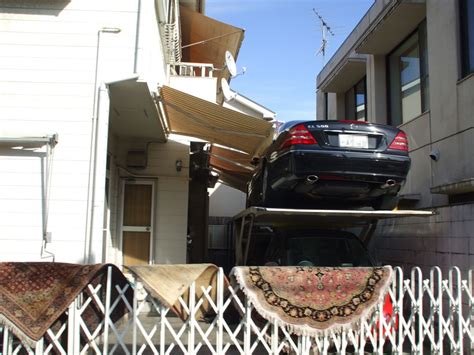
x=356 y=102
x=466 y=10
x=408 y=78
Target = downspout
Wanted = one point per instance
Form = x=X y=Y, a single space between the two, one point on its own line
x=137 y=36
x=93 y=150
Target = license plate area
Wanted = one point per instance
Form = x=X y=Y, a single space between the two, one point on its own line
x=359 y=141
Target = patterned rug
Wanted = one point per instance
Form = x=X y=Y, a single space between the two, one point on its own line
x=34 y=295
x=169 y=282
x=312 y=300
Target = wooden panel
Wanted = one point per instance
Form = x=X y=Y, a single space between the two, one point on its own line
x=137 y=205
x=136 y=248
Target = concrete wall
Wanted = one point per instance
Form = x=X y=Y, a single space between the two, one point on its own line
x=445 y=240
x=448 y=125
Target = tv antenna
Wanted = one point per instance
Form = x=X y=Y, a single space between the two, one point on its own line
x=325 y=30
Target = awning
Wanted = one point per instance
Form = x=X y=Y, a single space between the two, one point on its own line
x=191 y=116
x=205 y=40
x=386 y=33
x=234 y=168
x=133 y=113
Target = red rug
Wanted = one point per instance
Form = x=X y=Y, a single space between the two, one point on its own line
x=311 y=300
x=34 y=295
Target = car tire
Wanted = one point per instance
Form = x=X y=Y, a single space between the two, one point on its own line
x=386 y=202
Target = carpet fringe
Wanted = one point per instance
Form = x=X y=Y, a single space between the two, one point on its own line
x=5 y=322
x=305 y=330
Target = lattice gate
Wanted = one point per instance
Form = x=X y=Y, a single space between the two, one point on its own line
x=432 y=315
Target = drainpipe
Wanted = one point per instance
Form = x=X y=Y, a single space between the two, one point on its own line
x=93 y=149
x=137 y=36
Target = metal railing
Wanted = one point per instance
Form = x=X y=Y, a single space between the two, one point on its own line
x=192 y=69
x=432 y=315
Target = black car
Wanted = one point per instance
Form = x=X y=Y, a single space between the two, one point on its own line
x=316 y=247
x=331 y=164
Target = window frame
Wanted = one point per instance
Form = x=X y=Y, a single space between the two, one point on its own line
x=422 y=44
x=466 y=69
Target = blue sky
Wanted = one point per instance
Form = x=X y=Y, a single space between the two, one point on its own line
x=282 y=38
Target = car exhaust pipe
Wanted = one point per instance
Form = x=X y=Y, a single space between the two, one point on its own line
x=389 y=183
x=311 y=179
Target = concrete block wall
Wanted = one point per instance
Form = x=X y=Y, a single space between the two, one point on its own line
x=444 y=240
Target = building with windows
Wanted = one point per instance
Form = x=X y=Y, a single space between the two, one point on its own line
x=409 y=63
x=96 y=97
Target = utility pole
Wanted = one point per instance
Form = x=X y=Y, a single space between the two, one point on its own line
x=325 y=30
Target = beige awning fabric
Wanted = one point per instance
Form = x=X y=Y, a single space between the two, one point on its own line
x=205 y=40
x=234 y=168
x=191 y=116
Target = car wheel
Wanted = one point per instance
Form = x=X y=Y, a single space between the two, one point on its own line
x=386 y=202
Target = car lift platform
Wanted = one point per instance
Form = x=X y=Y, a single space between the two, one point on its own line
x=310 y=218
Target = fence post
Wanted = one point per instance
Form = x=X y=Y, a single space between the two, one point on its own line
x=455 y=287
x=397 y=287
x=220 y=309
x=436 y=283
x=108 y=287
x=73 y=336
x=247 y=327
x=135 y=321
x=192 y=305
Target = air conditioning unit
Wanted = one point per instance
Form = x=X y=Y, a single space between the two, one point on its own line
x=137 y=159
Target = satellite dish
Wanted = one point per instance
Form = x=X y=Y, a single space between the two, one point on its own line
x=230 y=63
x=229 y=95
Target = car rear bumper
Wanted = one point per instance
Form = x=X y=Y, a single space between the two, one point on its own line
x=336 y=166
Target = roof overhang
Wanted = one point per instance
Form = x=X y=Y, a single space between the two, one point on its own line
x=205 y=40
x=133 y=112
x=391 y=28
x=194 y=117
x=348 y=74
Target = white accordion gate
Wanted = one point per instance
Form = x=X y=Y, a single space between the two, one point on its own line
x=432 y=315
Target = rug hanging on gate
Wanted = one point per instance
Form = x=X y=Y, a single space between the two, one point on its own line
x=313 y=300
x=34 y=295
x=168 y=283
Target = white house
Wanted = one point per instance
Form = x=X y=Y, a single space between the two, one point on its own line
x=92 y=93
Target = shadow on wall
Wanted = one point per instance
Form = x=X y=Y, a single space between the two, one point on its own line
x=33 y=7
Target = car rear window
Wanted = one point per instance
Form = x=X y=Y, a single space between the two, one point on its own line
x=322 y=251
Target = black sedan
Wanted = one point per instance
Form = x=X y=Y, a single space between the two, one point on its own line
x=331 y=164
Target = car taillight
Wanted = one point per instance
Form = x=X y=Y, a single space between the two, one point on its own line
x=400 y=142
x=298 y=135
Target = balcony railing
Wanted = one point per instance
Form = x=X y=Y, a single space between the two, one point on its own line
x=192 y=69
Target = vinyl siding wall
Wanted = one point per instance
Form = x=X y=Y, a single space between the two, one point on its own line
x=47 y=64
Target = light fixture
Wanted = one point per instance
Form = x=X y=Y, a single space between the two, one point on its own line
x=179 y=165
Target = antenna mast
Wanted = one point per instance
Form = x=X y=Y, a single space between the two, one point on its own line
x=325 y=29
